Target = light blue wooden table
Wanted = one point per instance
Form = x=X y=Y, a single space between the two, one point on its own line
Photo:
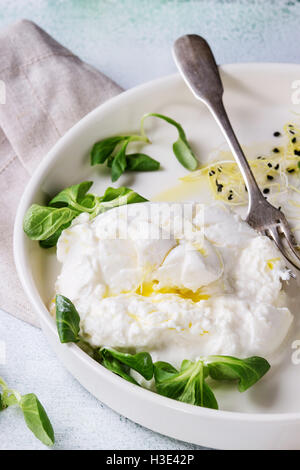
x=130 y=41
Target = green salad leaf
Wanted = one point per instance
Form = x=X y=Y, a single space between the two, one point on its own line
x=119 y=162
x=114 y=197
x=52 y=241
x=2 y=406
x=113 y=151
x=138 y=162
x=246 y=371
x=181 y=147
x=141 y=162
x=36 y=418
x=46 y=223
x=116 y=366
x=187 y=385
x=42 y=222
x=75 y=197
x=67 y=320
x=140 y=362
x=33 y=411
x=103 y=149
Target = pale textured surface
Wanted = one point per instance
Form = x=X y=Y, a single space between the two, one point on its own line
x=79 y=420
x=130 y=41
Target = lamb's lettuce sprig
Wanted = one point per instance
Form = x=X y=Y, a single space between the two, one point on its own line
x=188 y=384
x=121 y=363
x=114 y=151
x=245 y=371
x=181 y=147
x=67 y=320
x=46 y=223
x=33 y=411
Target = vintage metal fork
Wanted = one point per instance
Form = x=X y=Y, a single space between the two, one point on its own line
x=198 y=67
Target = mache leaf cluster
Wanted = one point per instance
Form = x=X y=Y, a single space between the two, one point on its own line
x=188 y=384
x=46 y=223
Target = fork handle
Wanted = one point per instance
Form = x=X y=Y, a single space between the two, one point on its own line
x=221 y=117
x=197 y=65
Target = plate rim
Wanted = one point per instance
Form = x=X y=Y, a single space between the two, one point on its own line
x=29 y=289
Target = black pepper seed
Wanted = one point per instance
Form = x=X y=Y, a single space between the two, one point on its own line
x=270 y=177
x=292 y=132
x=276 y=150
x=290 y=125
x=276 y=167
x=294 y=140
x=290 y=170
x=276 y=134
x=230 y=197
x=297 y=152
x=266 y=191
x=270 y=165
x=259 y=158
x=219 y=186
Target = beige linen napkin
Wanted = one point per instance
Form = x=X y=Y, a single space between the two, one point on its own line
x=48 y=89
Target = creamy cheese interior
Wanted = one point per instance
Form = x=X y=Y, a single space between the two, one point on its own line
x=175 y=284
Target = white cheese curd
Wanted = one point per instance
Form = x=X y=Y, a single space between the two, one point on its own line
x=179 y=284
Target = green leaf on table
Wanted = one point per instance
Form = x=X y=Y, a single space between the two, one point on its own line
x=141 y=162
x=246 y=371
x=75 y=197
x=42 y=222
x=67 y=320
x=187 y=385
x=36 y=418
x=104 y=148
x=9 y=399
x=140 y=362
x=181 y=148
x=34 y=414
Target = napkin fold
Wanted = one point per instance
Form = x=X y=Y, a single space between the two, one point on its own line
x=48 y=89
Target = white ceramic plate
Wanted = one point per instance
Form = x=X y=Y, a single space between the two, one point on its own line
x=258 y=99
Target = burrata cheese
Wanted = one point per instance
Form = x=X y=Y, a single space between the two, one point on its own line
x=180 y=282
